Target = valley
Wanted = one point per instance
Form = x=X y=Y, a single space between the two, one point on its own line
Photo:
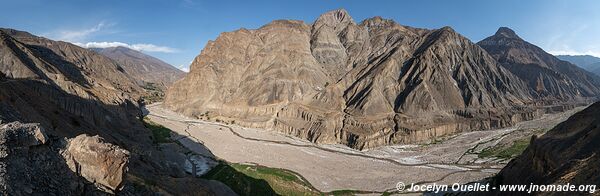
x=337 y=167
x=170 y=100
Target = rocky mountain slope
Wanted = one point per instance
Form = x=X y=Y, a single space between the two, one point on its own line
x=551 y=78
x=55 y=96
x=587 y=62
x=360 y=84
x=566 y=154
x=595 y=68
x=143 y=67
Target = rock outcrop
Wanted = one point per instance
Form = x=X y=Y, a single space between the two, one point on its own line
x=33 y=164
x=102 y=163
x=29 y=165
x=144 y=68
x=550 y=78
x=568 y=153
x=360 y=84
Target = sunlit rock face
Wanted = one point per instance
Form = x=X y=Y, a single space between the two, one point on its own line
x=99 y=162
x=361 y=84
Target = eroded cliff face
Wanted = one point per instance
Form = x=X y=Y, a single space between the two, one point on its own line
x=568 y=153
x=362 y=85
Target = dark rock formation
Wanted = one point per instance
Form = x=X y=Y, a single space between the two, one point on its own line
x=30 y=163
x=566 y=154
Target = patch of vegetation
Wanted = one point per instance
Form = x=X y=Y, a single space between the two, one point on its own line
x=342 y=192
x=504 y=152
x=151 y=86
x=439 y=140
x=259 y=180
x=160 y=134
x=153 y=93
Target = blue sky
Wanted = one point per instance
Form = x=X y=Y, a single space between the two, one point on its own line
x=177 y=30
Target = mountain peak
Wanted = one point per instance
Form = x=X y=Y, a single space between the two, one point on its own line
x=506 y=32
x=334 y=18
x=447 y=29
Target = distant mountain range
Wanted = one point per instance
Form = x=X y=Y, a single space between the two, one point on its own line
x=375 y=82
x=142 y=67
x=587 y=62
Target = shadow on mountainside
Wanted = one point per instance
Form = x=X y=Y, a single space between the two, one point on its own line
x=65 y=67
x=241 y=183
x=66 y=115
x=223 y=172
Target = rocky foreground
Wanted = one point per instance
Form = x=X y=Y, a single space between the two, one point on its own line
x=566 y=154
x=375 y=82
x=34 y=163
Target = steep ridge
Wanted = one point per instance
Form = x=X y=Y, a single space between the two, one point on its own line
x=144 y=68
x=70 y=91
x=552 y=79
x=566 y=154
x=362 y=85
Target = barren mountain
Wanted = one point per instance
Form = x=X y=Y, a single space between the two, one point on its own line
x=53 y=96
x=587 y=62
x=362 y=85
x=551 y=78
x=566 y=154
x=143 y=67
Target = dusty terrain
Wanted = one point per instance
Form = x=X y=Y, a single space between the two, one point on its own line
x=336 y=167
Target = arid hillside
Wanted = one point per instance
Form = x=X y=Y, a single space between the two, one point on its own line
x=363 y=84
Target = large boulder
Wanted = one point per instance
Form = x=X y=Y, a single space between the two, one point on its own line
x=30 y=163
x=101 y=163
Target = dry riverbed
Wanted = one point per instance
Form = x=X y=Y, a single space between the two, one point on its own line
x=456 y=159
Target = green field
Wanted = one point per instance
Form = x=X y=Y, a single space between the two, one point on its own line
x=506 y=152
x=259 y=180
x=160 y=134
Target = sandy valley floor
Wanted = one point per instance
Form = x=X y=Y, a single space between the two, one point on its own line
x=336 y=167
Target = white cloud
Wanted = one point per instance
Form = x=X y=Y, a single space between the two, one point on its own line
x=184 y=68
x=138 y=47
x=80 y=34
x=573 y=52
